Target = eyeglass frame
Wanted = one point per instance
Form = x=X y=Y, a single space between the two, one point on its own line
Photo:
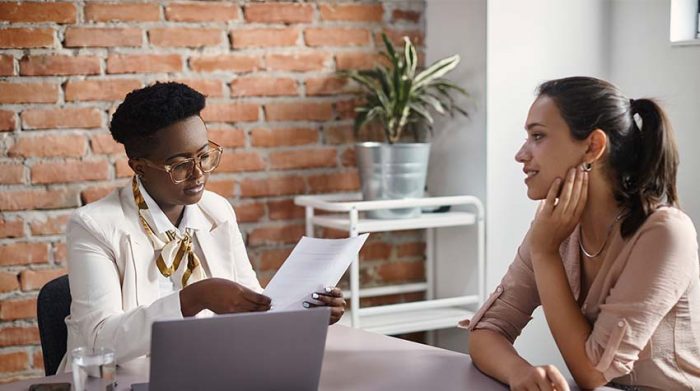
x=197 y=162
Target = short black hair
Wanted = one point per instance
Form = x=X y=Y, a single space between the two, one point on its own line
x=149 y=109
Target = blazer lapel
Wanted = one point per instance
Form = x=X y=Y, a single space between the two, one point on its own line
x=216 y=246
x=140 y=272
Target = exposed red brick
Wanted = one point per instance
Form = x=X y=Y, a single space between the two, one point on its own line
x=340 y=134
x=23 y=253
x=185 y=37
x=7 y=121
x=93 y=89
x=299 y=111
x=263 y=86
x=272 y=186
x=414 y=249
x=241 y=161
x=405 y=15
x=102 y=37
x=122 y=169
x=37 y=199
x=285 y=210
x=249 y=212
x=48 y=146
x=49 y=225
x=53 y=65
x=8 y=282
x=37 y=359
x=346 y=108
x=348 y=157
x=278 y=13
x=278 y=137
x=92 y=194
x=227 y=138
x=402 y=271
x=336 y=37
x=251 y=38
x=326 y=86
x=207 y=87
x=16 y=38
x=222 y=187
x=358 y=60
x=7 y=67
x=18 y=309
x=303 y=158
x=276 y=235
x=230 y=112
x=299 y=61
x=37 y=12
x=201 y=12
x=62 y=118
x=396 y=37
x=60 y=253
x=273 y=259
x=374 y=251
x=70 y=171
x=11 y=228
x=105 y=144
x=327 y=183
x=11 y=173
x=34 y=279
x=226 y=63
x=144 y=63
x=13 y=361
x=28 y=92
x=135 y=12
x=352 y=12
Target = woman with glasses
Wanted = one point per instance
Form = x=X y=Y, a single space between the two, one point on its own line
x=161 y=247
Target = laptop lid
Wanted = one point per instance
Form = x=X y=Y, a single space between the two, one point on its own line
x=250 y=351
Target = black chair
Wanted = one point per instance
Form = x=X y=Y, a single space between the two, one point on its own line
x=53 y=305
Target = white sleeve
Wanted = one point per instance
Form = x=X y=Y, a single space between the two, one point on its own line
x=97 y=316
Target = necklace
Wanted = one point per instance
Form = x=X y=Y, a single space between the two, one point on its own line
x=605 y=242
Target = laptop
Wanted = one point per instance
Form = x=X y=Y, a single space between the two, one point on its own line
x=249 y=351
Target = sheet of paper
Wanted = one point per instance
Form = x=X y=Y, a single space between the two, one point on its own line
x=313 y=265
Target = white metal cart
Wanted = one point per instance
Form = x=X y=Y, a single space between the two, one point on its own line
x=429 y=314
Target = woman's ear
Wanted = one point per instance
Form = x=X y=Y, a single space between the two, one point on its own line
x=137 y=166
x=597 y=144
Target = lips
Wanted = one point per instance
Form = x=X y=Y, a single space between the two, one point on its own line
x=194 y=189
x=529 y=172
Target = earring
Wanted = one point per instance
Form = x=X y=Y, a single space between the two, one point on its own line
x=586 y=166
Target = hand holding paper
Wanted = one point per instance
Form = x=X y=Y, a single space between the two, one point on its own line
x=313 y=265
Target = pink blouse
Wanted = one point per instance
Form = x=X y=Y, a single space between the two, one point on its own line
x=643 y=305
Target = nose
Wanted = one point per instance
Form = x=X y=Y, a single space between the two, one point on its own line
x=197 y=170
x=523 y=154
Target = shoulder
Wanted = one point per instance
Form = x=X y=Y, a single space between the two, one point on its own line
x=102 y=218
x=669 y=222
x=668 y=234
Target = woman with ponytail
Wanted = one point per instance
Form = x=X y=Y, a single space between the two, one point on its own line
x=609 y=255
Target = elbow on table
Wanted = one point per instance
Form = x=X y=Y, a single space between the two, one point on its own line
x=590 y=380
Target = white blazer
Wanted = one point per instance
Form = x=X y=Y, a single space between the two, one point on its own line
x=114 y=279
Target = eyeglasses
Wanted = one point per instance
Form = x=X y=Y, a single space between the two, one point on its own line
x=181 y=171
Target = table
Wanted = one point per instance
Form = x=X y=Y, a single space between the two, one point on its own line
x=356 y=360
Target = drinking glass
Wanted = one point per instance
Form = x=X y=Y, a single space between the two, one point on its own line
x=94 y=369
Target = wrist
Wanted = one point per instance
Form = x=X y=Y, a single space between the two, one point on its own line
x=516 y=370
x=190 y=300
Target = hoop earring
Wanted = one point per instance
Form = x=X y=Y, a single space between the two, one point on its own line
x=587 y=167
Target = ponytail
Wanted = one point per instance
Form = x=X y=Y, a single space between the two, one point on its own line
x=650 y=181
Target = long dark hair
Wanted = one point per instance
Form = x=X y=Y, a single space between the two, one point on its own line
x=642 y=158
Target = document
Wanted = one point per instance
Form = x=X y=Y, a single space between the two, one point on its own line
x=313 y=265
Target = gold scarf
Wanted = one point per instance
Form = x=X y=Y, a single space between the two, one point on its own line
x=172 y=245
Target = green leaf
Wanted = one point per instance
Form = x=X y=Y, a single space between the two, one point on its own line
x=439 y=69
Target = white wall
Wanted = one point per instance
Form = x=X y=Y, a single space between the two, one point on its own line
x=528 y=42
x=458 y=152
x=645 y=64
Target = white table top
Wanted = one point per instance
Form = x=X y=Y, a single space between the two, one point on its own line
x=355 y=360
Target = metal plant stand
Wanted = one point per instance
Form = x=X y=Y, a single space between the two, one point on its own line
x=429 y=314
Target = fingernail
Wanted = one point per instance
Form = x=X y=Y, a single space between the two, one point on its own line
x=329 y=289
x=306 y=305
x=315 y=295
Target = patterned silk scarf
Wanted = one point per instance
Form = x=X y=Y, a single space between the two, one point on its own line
x=172 y=245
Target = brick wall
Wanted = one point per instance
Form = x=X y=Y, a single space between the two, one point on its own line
x=274 y=104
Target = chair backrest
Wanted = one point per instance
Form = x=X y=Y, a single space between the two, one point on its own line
x=53 y=306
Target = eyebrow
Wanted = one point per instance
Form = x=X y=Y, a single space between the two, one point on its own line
x=185 y=154
x=534 y=124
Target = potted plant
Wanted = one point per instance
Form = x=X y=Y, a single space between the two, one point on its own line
x=400 y=98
